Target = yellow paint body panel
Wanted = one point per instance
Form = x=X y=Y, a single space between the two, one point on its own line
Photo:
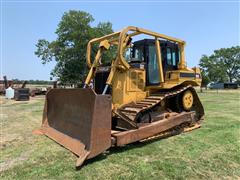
x=173 y=78
x=128 y=86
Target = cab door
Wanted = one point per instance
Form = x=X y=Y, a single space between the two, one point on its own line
x=152 y=69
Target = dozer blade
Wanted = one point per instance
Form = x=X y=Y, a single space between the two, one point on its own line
x=78 y=119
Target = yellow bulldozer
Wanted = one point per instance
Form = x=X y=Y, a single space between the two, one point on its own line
x=144 y=91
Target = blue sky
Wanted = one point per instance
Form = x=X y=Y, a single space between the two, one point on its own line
x=205 y=26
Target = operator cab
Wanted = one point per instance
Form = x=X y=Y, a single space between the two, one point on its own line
x=143 y=54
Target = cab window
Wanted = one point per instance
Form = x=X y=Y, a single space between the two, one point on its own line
x=128 y=54
x=174 y=63
x=172 y=57
x=169 y=56
x=138 y=53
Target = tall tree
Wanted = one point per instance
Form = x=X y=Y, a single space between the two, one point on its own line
x=230 y=59
x=223 y=65
x=69 y=49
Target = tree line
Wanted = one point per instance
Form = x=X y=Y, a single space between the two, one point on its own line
x=40 y=82
x=222 y=66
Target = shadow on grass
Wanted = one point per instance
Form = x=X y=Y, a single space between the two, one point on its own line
x=121 y=149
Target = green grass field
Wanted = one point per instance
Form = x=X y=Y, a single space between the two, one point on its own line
x=211 y=152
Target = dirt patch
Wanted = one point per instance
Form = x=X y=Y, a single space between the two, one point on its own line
x=9 y=139
x=9 y=163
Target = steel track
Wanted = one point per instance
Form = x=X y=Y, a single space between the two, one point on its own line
x=132 y=111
